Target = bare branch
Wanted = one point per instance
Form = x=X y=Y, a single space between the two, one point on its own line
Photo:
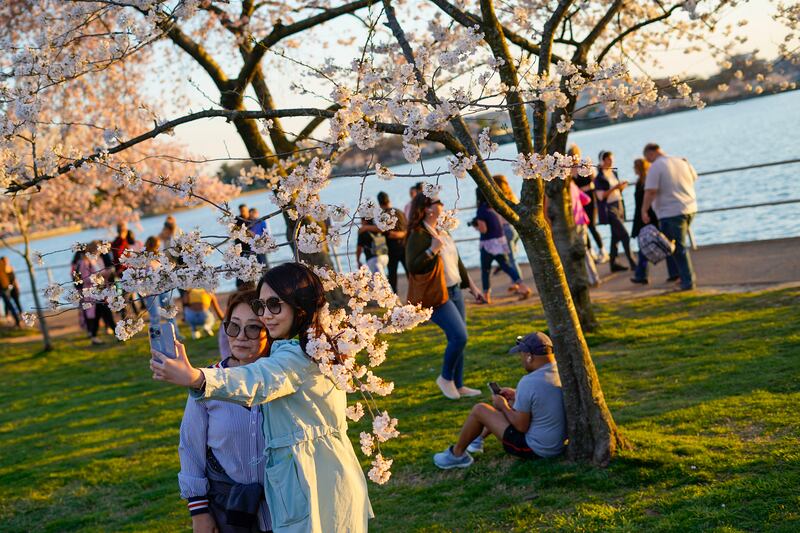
x=634 y=28
x=280 y=32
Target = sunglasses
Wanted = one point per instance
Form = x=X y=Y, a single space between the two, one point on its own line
x=251 y=331
x=272 y=304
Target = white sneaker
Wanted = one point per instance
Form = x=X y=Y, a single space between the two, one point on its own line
x=476 y=446
x=603 y=257
x=468 y=392
x=448 y=388
x=196 y=334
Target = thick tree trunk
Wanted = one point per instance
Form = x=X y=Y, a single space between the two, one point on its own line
x=571 y=251
x=592 y=433
x=48 y=345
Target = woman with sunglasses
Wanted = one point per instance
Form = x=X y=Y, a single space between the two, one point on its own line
x=221 y=444
x=314 y=482
x=425 y=247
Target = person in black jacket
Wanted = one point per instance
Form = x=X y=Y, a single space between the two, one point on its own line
x=640 y=168
x=611 y=209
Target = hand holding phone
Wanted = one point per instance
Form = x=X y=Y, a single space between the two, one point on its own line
x=162 y=339
x=494 y=387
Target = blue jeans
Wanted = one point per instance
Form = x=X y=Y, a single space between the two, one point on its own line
x=641 y=267
x=502 y=262
x=153 y=303
x=199 y=319
x=676 y=228
x=452 y=318
x=513 y=243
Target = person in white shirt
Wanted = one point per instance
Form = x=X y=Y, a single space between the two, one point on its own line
x=669 y=189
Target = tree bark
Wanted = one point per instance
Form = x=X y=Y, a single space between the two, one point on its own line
x=571 y=251
x=48 y=345
x=591 y=430
x=262 y=155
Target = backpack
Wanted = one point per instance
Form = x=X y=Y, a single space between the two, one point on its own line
x=379 y=246
x=655 y=245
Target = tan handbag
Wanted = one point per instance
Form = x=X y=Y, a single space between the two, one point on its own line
x=428 y=289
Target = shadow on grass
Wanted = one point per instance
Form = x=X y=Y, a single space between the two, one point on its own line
x=706 y=387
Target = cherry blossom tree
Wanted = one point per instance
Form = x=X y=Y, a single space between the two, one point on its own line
x=418 y=70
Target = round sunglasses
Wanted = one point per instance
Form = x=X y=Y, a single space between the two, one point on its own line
x=273 y=304
x=251 y=331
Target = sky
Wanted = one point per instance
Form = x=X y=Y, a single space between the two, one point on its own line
x=216 y=139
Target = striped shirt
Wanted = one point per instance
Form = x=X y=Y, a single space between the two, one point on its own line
x=233 y=432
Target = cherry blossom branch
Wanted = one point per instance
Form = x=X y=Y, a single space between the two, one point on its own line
x=166 y=127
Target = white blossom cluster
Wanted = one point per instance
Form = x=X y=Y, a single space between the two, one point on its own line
x=549 y=167
x=349 y=346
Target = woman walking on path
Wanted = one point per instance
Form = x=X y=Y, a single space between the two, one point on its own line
x=9 y=291
x=587 y=185
x=314 y=482
x=611 y=209
x=91 y=310
x=432 y=251
x=510 y=232
x=220 y=453
x=494 y=247
x=579 y=201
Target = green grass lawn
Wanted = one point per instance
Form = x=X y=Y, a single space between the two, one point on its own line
x=707 y=389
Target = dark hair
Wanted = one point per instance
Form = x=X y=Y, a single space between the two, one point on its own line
x=651 y=147
x=131 y=238
x=152 y=243
x=241 y=206
x=480 y=198
x=300 y=288
x=237 y=298
x=383 y=198
x=417 y=186
x=417 y=213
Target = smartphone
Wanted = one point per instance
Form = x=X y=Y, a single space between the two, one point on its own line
x=495 y=387
x=162 y=339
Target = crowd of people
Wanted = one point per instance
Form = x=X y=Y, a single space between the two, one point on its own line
x=299 y=471
x=664 y=197
x=197 y=307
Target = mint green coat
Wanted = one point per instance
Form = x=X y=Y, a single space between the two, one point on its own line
x=314 y=482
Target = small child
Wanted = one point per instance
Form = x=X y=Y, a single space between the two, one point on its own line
x=536 y=425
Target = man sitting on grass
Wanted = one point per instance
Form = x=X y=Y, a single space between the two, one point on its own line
x=535 y=427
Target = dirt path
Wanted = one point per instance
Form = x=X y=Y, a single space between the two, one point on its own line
x=735 y=267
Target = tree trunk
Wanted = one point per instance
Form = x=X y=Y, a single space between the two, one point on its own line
x=592 y=433
x=571 y=251
x=263 y=156
x=48 y=345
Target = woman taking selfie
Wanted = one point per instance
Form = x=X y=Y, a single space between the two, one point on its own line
x=314 y=482
x=436 y=276
x=220 y=452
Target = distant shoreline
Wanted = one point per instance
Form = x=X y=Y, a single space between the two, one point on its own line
x=503 y=140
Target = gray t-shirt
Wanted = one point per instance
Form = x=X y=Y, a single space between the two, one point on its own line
x=674 y=179
x=539 y=393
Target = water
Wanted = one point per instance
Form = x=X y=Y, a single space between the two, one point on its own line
x=754 y=131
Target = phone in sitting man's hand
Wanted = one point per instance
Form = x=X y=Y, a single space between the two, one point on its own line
x=495 y=387
x=162 y=339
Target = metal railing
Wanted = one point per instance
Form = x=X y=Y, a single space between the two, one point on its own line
x=336 y=253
